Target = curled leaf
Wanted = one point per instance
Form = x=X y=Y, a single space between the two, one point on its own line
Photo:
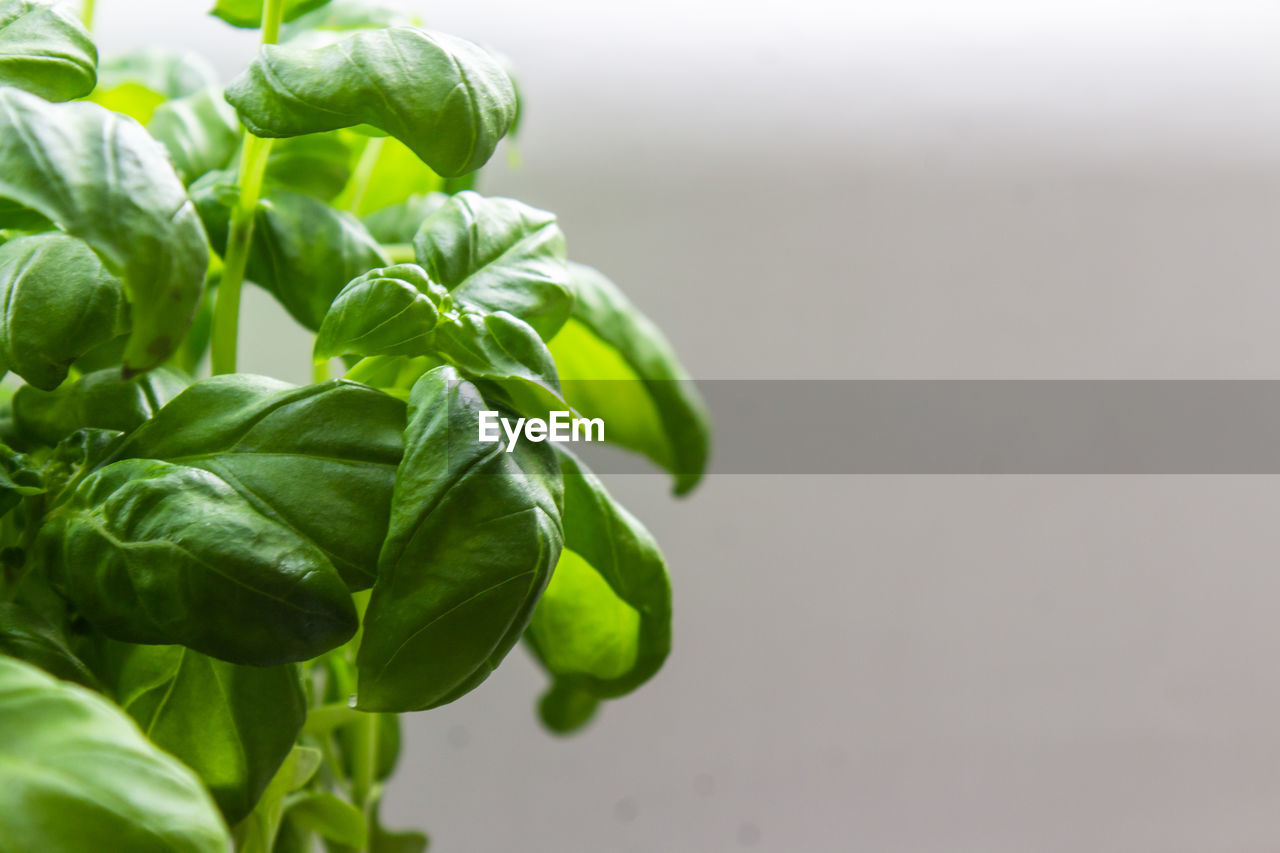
x=45 y=50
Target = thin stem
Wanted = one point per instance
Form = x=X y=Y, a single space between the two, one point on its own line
x=363 y=173
x=86 y=14
x=320 y=370
x=253 y=164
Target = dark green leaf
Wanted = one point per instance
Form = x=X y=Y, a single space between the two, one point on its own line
x=304 y=252
x=318 y=164
x=28 y=636
x=137 y=82
x=101 y=400
x=155 y=553
x=78 y=776
x=101 y=178
x=248 y=13
x=75 y=456
x=566 y=708
x=400 y=222
x=388 y=311
x=199 y=130
x=451 y=110
x=233 y=725
x=616 y=365
x=57 y=302
x=328 y=817
x=18 y=478
x=320 y=460
x=474 y=533
x=499 y=255
x=604 y=622
x=505 y=352
x=45 y=50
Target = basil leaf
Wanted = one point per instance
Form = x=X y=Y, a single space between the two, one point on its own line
x=75 y=456
x=318 y=164
x=400 y=222
x=328 y=817
x=320 y=460
x=199 y=130
x=257 y=833
x=101 y=400
x=57 y=302
x=382 y=840
x=507 y=353
x=29 y=637
x=304 y=252
x=248 y=13
x=45 y=50
x=341 y=17
x=78 y=776
x=137 y=82
x=101 y=178
x=499 y=255
x=233 y=725
x=394 y=176
x=18 y=478
x=604 y=622
x=451 y=111
x=566 y=708
x=474 y=533
x=616 y=365
x=386 y=311
x=155 y=553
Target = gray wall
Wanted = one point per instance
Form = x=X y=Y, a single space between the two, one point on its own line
x=900 y=190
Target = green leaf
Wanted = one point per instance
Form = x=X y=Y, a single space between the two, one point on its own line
x=101 y=400
x=318 y=164
x=382 y=840
x=78 y=776
x=155 y=553
x=27 y=636
x=400 y=222
x=393 y=176
x=101 y=178
x=566 y=708
x=386 y=311
x=200 y=132
x=604 y=622
x=18 y=478
x=328 y=817
x=75 y=456
x=45 y=50
x=137 y=82
x=499 y=255
x=320 y=460
x=451 y=110
x=57 y=302
x=304 y=252
x=474 y=533
x=343 y=17
x=506 y=353
x=257 y=833
x=248 y=13
x=233 y=725
x=386 y=750
x=616 y=365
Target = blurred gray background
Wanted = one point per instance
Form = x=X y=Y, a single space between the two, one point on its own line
x=897 y=189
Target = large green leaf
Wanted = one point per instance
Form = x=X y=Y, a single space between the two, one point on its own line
x=444 y=97
x=156 y=553
x=604 y=622
x=616 y=365
x=400 y=222
x=137 y=82
x=101 y=400
x=199 y=130
x=28 y=636
x=248 y=13
x=304 y=252
x=45 y=50
x=499 y=255
x=320 y=460
x=78 y=776
x=233 y=725
x=57 y=302
x=102 y=178
x=474 y=533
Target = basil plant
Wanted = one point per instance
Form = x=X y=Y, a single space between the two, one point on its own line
x=218 y=591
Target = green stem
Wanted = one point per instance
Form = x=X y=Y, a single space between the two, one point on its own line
x=253 y=164
x=400 y=253
x=86 y=14
x=363 y=173
x=320 y=370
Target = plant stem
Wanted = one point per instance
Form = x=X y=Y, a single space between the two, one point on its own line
x=253 y=163
x=320 y=370
x=86 y=14
x=364 y=172
x=400 y=253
